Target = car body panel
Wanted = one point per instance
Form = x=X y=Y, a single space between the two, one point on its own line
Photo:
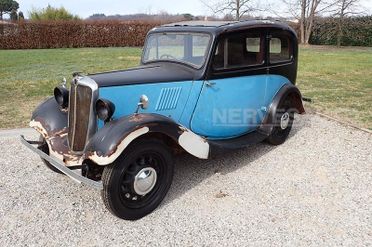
x=223 y=111
x=48 y=118
x=169 y=99
x=144 y=74
x=111 y=140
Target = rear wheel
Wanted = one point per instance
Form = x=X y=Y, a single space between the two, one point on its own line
x=136 y=183
x=282 y=123
x=45 y=148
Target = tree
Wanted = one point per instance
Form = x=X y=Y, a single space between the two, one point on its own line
x=6 y=7
x=13 y=15
x=238 y=8
x=21 y=16
x=188 y=17
x=305 y=11
x=344 y=8
x=97 y=16
x=52 y=14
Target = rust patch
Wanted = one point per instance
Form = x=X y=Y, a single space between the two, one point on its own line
x=113 y=154
x=58 y=146
x=57 y=142
x=137 y=118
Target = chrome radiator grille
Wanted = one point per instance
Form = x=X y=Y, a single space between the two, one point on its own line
x=80 y=108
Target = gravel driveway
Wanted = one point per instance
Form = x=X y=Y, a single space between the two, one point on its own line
x=316 y=189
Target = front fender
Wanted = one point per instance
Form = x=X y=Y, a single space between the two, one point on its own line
x=48 y=118
x=111 y=140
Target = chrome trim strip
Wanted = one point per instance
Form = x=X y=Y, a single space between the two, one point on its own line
x=60 y=166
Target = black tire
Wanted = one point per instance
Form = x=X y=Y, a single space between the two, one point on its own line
x=44 y=147
x=278 y=134
x=118 y=179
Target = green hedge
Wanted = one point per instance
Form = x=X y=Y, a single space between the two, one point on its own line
x=357 y=31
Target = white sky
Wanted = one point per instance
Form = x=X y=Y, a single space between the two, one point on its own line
x=85 y=8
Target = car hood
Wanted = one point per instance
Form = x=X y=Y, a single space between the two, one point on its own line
x=145 y=74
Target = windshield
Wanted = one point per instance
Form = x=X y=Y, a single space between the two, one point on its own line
x=190 y=48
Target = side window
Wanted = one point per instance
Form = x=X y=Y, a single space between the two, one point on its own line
x=238 y=51
x=253 y=44
x=280 y=48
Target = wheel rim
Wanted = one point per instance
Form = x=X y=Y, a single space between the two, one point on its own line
x=145 y=181
x=142 y=180
x=284 y=121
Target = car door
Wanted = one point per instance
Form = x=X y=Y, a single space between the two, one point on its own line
x=232 y=97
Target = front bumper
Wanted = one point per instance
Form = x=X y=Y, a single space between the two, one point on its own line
x=60 y=166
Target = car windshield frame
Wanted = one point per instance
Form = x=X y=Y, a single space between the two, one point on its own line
x=182 y=61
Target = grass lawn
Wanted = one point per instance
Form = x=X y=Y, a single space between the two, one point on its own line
x=338 y=80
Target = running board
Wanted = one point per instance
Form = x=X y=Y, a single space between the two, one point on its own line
x=236 y=143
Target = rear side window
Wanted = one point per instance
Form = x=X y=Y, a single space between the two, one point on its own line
x=280 y=48
x=239 y=50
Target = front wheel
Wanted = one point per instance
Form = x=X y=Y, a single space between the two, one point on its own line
x=283 y=121
x=136 y=183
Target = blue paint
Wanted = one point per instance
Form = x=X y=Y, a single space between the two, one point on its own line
x=229 y=108
x=168 y=99
x=191 y=103
x=234 y=106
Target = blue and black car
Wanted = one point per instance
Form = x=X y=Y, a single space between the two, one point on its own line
x=201 y=88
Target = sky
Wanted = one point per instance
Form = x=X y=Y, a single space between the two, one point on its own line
x=85 y=8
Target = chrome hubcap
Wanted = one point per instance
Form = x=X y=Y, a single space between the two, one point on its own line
x=284 y=121
x=145 y=181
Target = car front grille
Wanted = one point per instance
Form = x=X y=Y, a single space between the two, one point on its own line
x=80 y=109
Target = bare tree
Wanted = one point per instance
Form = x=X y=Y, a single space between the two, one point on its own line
x=238 y=8
x=305 y=11
x=344 y=9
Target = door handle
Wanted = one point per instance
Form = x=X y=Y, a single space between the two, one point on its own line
x=210 y=84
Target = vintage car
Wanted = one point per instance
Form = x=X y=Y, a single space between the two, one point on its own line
x=201 y=88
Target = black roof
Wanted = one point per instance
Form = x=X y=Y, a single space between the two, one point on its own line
x=217 y=27
x=199 y=23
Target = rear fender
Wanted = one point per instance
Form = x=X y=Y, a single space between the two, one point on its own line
x=287 y=91
x=111 y=140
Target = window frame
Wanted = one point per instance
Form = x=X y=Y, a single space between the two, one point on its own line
x=224 y=38
x=290 y=47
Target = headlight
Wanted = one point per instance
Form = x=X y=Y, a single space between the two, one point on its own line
x=61 y=96
x=105 y=109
